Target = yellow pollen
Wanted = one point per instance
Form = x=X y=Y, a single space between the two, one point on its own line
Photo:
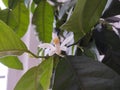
x=56 y=41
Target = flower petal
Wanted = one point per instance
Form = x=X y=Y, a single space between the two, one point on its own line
x=54 y=35
x=51 y=52
x=46 y=45
x=67 y=40
x=63 y=48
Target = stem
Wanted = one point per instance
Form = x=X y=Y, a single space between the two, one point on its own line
x=36 y=56
x=74 y=43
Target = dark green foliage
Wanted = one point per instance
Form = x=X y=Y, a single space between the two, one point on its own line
x=92 y=35
x=113 y=9
x=37 y=1
x=83 y=73
x=108 y=43
x=85 y=15
x=43 y=20
x=13 y=3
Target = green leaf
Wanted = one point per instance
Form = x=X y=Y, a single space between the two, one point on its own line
x=83 y=73
x=84 y=17
x=112 y=59
x=17 y=18
x=8 y=17
x=37 y=78
x=21 y=14
x=33 y=7
x=43 y=19
x=106 y=39
x=91 y=13
x=10 y=43
x=46 y=73
x=65 y=78
x=108 y=43
x=11 y=62
x=29 y=81
x=12 y=3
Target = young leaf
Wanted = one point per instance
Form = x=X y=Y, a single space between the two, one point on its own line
x=84 y=17
x=43 y=19
x=10 y=43
x=37 y=78
x=11 y=62
x=83 y=73
x=21 y=13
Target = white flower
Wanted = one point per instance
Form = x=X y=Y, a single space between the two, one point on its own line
x=56 y=47
x=116 y=26
x=63 y=1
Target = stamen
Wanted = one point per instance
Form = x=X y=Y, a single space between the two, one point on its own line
x=56 y=41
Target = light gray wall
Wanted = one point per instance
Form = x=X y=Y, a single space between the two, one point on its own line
x=32 y=43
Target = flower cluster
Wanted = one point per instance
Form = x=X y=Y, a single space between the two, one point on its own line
x=56 y=47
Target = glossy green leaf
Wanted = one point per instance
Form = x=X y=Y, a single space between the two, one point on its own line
x=84 y=17
x=83 y=73
x=37 y=78
x=43 y=19
x=10 y=43
x=11 y=62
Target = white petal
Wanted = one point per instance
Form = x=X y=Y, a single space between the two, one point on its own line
x=54 y=35
x=67 y=40
x=46 y=45
x=52 y=52
x=63 y=48
x=61 y=39
x=116 y=31
x=46 y=52
x=62 y=1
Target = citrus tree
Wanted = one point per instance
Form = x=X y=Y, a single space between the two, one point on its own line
x=73 y=35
